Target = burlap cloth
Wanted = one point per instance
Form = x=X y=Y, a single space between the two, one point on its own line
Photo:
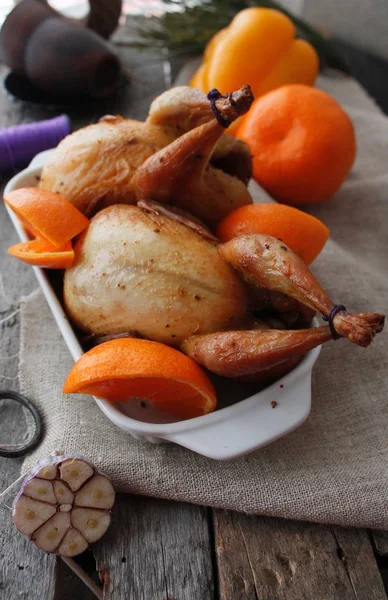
x=334 y=468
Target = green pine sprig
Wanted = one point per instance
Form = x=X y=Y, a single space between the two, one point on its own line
x=188 y=25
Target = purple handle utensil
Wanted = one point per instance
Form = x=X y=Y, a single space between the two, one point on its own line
x=19 y=144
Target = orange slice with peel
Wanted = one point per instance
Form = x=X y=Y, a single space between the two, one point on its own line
x=41 y=253
x=122 y=369
x=304 y=234
x=47 y=215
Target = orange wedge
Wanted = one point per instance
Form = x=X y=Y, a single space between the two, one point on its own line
x=43 y=254
x=127 y=368
x=47 y=215
x=304 y=234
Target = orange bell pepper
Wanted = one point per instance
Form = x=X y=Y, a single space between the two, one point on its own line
x=258 y=48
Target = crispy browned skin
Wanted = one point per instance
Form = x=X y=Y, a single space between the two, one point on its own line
x=267 y=262
x=94 y=166
x=180 y=174
x=275 y=371
x=181 y=108
x=240 y=353
x=177 y=214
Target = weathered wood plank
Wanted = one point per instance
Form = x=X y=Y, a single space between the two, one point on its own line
x=380 y=545
x=356 y=553
x=270 y=559
x=380 y=539
x=156 y=550
x=68 y=585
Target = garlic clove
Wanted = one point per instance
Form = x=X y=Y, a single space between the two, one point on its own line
x=72 y=544
x=29 y=514
x=91 y=523
x=50 y=534
x=40 y=489
x=47 y=472
x=96 y=493
x=75 y=472
x=63 y=493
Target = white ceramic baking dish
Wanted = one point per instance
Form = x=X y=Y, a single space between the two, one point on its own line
x=227 y=433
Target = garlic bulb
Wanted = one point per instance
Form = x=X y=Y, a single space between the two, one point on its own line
x=64 y=505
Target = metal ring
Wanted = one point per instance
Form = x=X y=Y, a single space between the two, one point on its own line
x=22 y=450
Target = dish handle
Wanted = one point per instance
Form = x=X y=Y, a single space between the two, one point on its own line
x=268 y=419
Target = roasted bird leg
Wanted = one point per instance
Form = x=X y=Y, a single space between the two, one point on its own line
x=259 y=354
x=180 y=174
x=268 y=263
x=180 y=109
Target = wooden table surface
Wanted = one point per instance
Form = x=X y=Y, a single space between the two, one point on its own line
x=160 y=550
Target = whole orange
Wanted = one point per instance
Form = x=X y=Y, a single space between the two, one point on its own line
x=302 y=141
x=304 y=234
